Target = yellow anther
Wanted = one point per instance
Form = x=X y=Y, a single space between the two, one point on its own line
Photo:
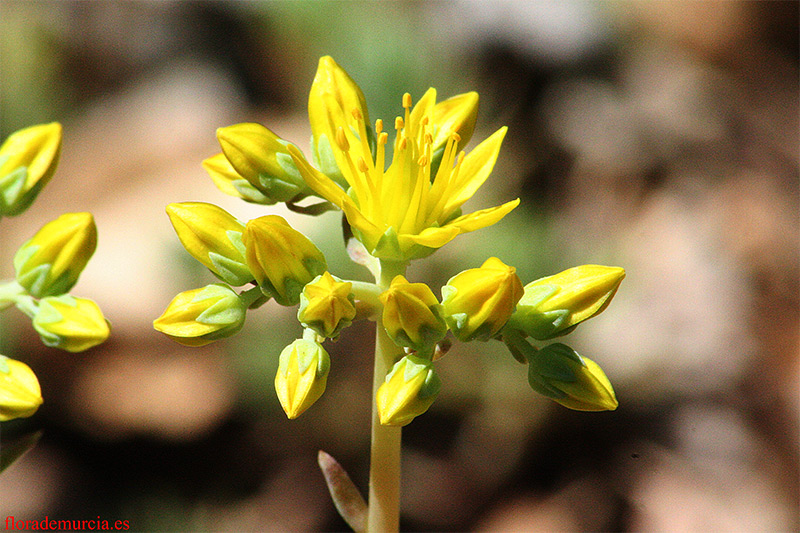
x=398 y=123
x=356 y=112
x=424 y=121
x=456 y=137
x=378 y=126
x=383 y=137
x=341 y=139
x=362 y=165
x=428 y=138
x=422 y=161
x=407 y=100
x=403 y=143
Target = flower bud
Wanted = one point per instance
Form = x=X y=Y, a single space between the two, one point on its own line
x=69 y=323
x=261 y=157
x=327 y=305
x=302 y=375
x=281 y=258
x=412 y=315
x=213 y=237
x=20 y=394
x=51 y=261
x=28 y=159
x=478 y=302
x=409 y=390
x=558 y=372
x=200 y=316
x=554 y=305
x=335 y=100
x=230 y=182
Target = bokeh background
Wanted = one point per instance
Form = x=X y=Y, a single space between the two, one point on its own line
x=658 y=136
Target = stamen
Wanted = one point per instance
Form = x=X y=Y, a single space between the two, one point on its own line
x=398 y=123
x=362 y=165
x=378 y=126
x=407 y=100
x=356 y=112
x=428 y=138
x=456 y=137
x=422 y=161
x=341 y=139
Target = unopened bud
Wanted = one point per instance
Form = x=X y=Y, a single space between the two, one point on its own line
x=28 y=159
x=409 y=390
x=20 y=394
x=554 y=305
x=231 y=182
x=51 y=261
x=302 y=376
x=213 y=237
x=200 y=316
x=558 y=372
x=412 y=315
x=478 y=302
x=327 y=305
x=281 y=258
x=70 y=323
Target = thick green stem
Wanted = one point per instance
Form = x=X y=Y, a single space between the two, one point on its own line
x=384 y=474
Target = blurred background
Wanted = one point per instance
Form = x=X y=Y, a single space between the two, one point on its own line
x=658 y=136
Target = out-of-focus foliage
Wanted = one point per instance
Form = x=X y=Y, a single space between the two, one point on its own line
x=657 y=135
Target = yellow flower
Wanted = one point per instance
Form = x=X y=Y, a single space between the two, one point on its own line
x=302 y=376
x=52 y=260
x=327 y=305
x=409 y=209
x=200 y=316
x=558 y=372
x=69 y=323
x=409 y=390
x=412 y=315
x=214 y=237
x=281 y=258
x=555 y=305
x=478 y=302
x=20 y=394
x=28 y=159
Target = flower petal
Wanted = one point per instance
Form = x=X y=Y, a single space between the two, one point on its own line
x=433 y=237
x=476 y=167
x=319 y=182
x=483 y=218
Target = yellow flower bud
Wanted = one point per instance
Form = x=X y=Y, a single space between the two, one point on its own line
x=335 y=101
x=478 y=302
x=281 y=258
x=412 y=315
x=302 y=376
x=261 y=157
x=200 y=316
x=51 y=261
x=409 y=390
x=230 y=182
x=558 y=372
x=20 y=394
x=213 y=237
x=327 y=305
x=554 y=305
x=69 y=323
x=28 y=159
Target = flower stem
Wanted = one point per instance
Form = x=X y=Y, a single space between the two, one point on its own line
x=384 y=474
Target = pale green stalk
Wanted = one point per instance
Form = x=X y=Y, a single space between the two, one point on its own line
x=384 y=471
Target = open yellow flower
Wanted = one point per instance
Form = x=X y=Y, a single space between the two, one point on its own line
x=413 y=207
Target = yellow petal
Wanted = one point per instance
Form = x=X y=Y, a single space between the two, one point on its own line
x=483 y=218
x=477 y=166
x=319 y=182
x=433 y=237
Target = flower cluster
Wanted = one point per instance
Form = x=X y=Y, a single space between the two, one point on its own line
x=47 y=266
x=400 y=201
